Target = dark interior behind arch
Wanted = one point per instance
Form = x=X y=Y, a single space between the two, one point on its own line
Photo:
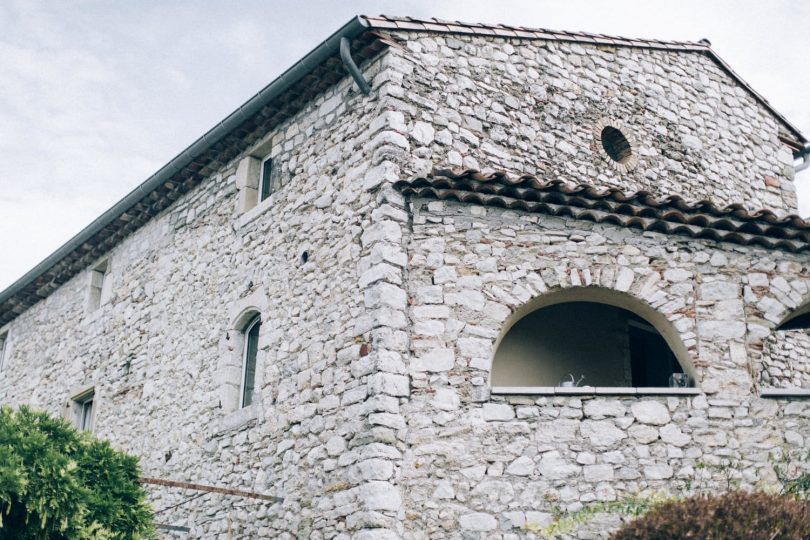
x=609 y=346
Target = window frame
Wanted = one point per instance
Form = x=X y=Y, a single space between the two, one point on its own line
x=249 y=360
x=3 y=348
x=265 y=179
x=100 y=284
x=84 y=409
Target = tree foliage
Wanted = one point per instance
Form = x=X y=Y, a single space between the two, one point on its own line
x=57 y=483
x=731 y=516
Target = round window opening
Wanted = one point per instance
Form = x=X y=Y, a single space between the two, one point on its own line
x=616 y=145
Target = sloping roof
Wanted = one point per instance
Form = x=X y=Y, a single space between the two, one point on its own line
x=384 y=22
x=278 y=101
x=641 y=209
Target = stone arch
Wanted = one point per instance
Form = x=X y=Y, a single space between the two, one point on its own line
x=607 y=297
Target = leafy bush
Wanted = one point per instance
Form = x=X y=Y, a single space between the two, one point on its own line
x=58 y=483
x=732 y=516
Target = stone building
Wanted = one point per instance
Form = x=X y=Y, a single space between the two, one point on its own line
x=372 y=290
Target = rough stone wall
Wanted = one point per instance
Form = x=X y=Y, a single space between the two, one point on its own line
x=374 y=417
x=531 y=107
x=489 y=466
x=157 y=353
x=786 y=362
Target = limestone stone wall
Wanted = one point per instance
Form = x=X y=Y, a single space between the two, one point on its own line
x=374 y=417
x=489 y=466
x=538 y=107
x=163 y=349
x=786 y=360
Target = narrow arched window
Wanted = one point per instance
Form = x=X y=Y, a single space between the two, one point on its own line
x=249 y=361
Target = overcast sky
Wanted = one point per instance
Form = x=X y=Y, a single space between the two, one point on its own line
x=96 y=96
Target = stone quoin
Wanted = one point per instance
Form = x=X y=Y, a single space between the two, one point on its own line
x=526 y=272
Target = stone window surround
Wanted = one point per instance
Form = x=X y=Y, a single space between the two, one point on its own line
x=630 y=162
x=230 y=369
x=78 y=396
x=248 y=178
x=99 y=284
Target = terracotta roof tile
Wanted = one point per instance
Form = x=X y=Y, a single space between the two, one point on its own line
x=641 y=209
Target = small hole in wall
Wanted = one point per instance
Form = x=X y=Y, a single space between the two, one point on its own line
x=616 y=145
x=168 y=455
x=304 y=257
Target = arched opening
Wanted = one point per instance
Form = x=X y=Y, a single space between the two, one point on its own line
x=594 y=337
x=786 y=352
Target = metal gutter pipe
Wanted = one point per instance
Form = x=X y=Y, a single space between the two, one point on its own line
x=351 y=67
x=328 y=48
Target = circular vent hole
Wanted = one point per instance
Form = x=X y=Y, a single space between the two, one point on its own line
x=304 y=257
x=616 y=145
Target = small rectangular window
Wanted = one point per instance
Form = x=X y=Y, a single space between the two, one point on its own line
x=249 y=362
x=3 y=340
x=99 y=285
x=83 y=410
x=266 y=180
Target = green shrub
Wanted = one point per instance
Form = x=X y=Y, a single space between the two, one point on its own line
x=58 y=483
x=732 y=516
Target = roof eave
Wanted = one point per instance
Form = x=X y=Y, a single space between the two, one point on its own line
x=329 y=47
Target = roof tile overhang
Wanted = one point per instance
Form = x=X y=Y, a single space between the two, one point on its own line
x=641 y=209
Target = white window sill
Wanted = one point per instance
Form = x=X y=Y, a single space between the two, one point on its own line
x=785 y=392
x=594 y=391
x=251 y=215
x=240 y=418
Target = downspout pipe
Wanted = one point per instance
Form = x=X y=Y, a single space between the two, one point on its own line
x=328 y=48
x=351 y=67
x=804 y=155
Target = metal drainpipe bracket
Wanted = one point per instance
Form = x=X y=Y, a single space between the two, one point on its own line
x=351 y=67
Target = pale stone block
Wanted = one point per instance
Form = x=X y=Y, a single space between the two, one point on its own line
x=497 y=412
x=650 y=412
x=378 y=495
x=434 y=360
x=478 y=521
x=522 y=466
x=601 y=433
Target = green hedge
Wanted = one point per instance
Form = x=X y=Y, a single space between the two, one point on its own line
x=58 y=483
x=736 y=515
